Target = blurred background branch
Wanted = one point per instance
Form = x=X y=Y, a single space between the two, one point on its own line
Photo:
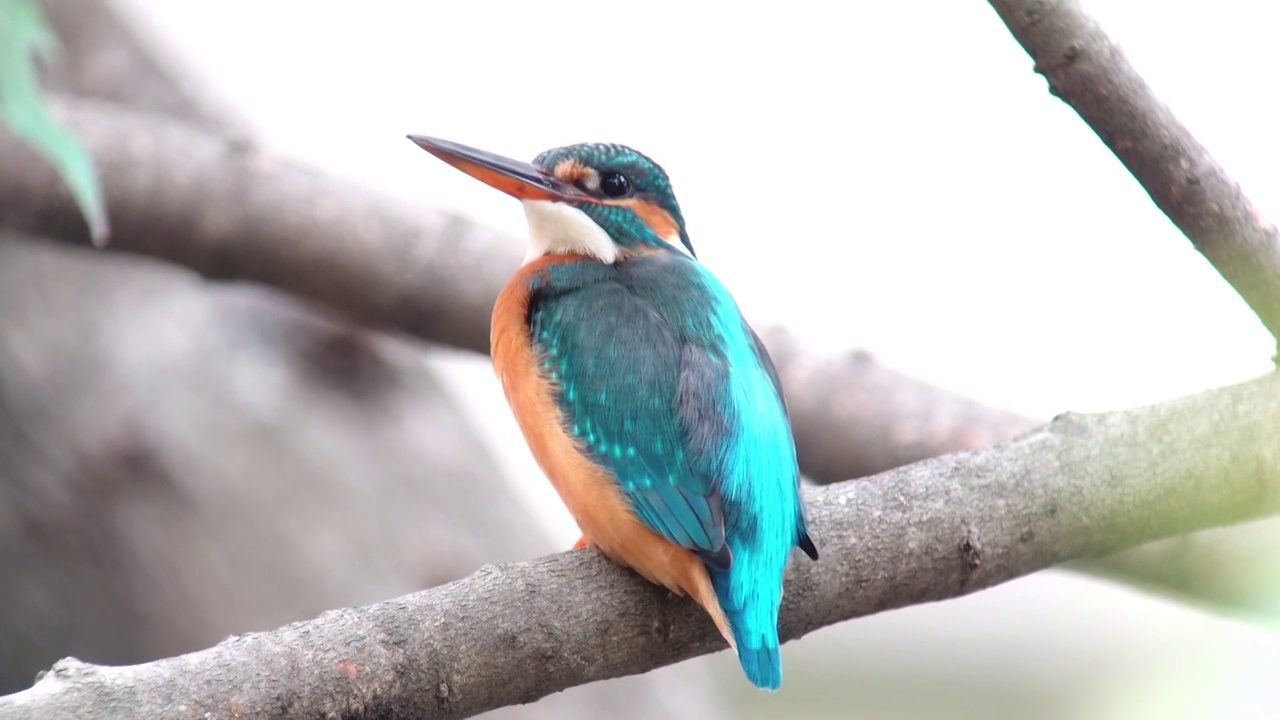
x=218 y=206
x=1083 y=486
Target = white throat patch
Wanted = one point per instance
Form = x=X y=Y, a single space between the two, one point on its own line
x=674 y=241
x=555 y=227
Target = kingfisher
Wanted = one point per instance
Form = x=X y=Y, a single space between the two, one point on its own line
x=645 y=397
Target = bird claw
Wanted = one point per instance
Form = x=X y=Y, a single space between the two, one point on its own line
x=582 y=542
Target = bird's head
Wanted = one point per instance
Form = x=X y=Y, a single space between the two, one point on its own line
x=606 y=201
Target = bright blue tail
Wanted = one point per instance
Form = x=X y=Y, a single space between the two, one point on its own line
x=762 y=665
x=755 y=632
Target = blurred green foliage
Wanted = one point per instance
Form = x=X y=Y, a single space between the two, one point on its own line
x=25 y=36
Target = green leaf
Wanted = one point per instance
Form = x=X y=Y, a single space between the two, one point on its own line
x=24 y=37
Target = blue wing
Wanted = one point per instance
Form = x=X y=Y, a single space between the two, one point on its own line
x=644 y=401
x=762 y=354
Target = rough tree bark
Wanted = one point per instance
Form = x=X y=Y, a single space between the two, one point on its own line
x=1082 y=486
x=1091 y=74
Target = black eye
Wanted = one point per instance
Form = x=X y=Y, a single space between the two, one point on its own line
x=615 y=184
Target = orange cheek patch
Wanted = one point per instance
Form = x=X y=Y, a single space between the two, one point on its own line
x=658 y=220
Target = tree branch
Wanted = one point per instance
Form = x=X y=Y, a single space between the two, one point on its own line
x=854 y=417
x=219 y=207
x=1091 y=74
x=1083 y=486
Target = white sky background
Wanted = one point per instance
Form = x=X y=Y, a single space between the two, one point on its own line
x=892 y=177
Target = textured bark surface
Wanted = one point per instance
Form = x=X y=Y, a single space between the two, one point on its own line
x=1080 y=487
x=1091 y=74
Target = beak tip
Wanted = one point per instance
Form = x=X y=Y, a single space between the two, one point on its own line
x=421 y=141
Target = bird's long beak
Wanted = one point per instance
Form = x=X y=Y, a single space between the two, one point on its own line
x=518 y=179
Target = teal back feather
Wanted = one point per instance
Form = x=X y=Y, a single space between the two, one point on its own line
x=661 y=379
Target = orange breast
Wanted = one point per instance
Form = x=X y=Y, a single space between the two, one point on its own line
x=590 y=492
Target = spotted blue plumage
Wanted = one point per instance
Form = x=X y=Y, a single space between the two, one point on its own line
x=660 y=379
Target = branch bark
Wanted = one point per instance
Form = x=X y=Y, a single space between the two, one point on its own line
x=1083 y=486
x=1091 y=74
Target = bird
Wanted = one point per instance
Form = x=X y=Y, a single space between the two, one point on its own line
x=645 y=397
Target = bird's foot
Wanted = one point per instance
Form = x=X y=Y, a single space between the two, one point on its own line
x=582 y=542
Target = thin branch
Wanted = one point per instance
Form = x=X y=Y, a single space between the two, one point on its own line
x=1090 y=73
x=1083 y=486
